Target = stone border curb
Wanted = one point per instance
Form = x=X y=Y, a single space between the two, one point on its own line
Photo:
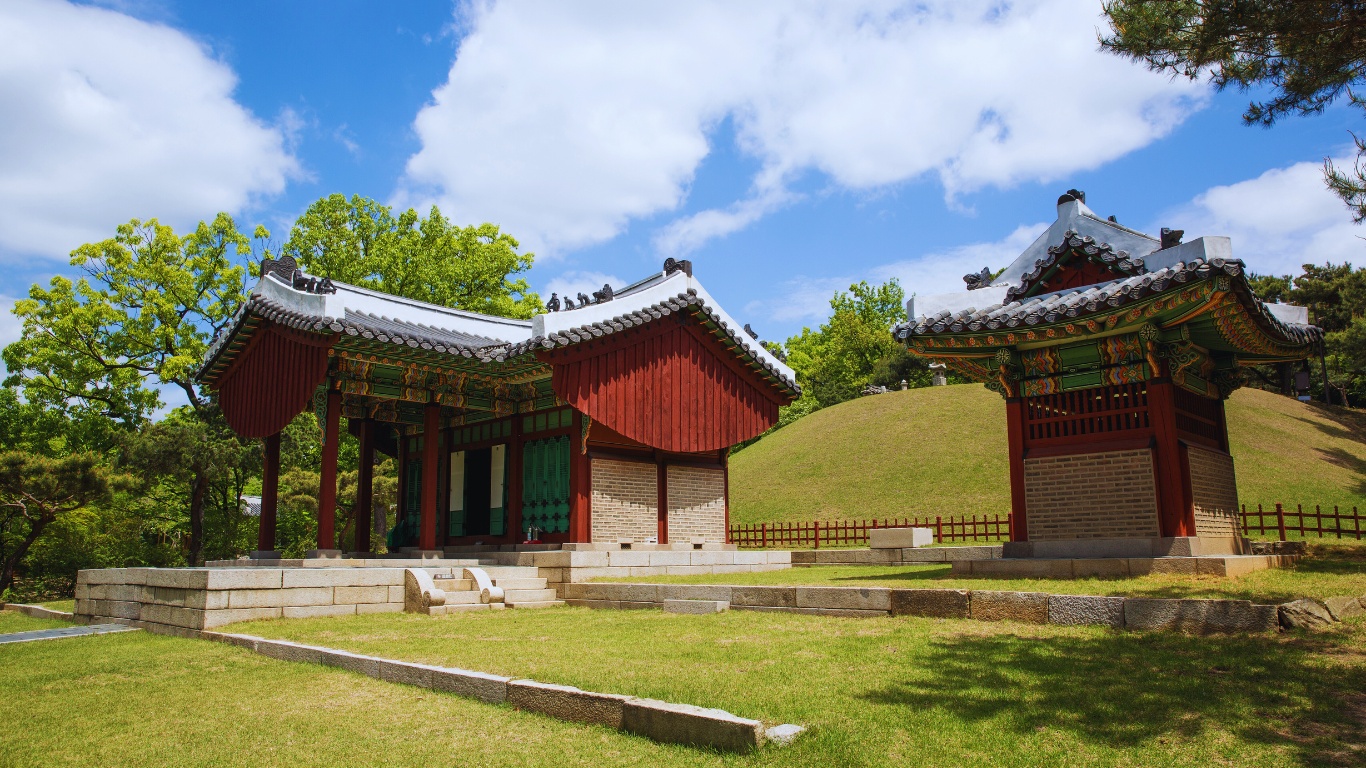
x=1195 y=616
x=38 y=611
x=657 y=720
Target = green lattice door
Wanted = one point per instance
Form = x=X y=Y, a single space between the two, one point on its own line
x=545 y=484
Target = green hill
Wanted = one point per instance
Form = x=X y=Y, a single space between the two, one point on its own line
x=942 y=451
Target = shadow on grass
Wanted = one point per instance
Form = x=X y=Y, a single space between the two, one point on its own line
x=1347 y=423
x=1348 y=461
x=1125 y=690
x=1325 y=559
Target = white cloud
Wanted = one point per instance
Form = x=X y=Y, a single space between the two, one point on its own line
x=572 y=283
x=564 y=121
x=108 y=118
x=807 y=300
x=1279 y=221
x=942 y=272
x=690 y=232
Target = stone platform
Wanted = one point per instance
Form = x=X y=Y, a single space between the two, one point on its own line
x=1118 y=567
x=901 y=556
x=228 y=591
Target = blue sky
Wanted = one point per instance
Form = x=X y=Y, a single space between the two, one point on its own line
x=787 y=149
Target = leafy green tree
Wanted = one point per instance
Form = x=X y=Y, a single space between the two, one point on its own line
x=835 y=362
x=851 y=350
x=35 y=491
x=1306 y=53
x=197 y=454
x=141 y=317
x=361 y=242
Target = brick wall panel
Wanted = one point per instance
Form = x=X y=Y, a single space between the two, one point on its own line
x=625 y=503
x=697 y=504
x=1091 y=496
x=1214 y=492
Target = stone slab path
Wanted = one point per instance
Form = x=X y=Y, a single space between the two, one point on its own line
x=57 y=634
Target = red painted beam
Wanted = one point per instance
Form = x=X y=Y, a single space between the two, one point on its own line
x=675 y=389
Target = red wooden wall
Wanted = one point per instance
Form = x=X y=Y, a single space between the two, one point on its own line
x=272 y=380
x=672 y=387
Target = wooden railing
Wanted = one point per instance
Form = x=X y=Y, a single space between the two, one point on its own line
x=836 y=533
x=1301 y=523
x=1280 y=522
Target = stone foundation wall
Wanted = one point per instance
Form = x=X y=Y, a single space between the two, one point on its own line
x=697 y=504
x=1091 y=496
x=204 y=598
x=1195 y=616
x=1214 y=492
x=561 y=568
x=625 y=503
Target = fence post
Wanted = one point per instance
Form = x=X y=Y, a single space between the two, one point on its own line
x=939 y=528
x=1280 y=520
x=763 y=535
x=1244 y=518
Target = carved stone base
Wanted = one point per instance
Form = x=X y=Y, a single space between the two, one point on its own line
x=330 y=554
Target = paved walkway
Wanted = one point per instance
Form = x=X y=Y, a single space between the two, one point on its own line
x=56 y=634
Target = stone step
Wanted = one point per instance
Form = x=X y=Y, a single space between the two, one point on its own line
x=528 y=595
x=516 y=583
x=536 y=604
x=462 y=598
x=511 y=572
x=463 y=607
x=453 y=585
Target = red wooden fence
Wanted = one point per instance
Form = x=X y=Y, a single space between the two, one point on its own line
x=1303 y=523
x=826 y=533
x=1280 y=522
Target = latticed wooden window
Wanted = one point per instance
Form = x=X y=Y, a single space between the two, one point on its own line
x=1066 y=415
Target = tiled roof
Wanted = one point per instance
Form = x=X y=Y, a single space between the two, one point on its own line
x=361 y=324
x=1102 y=297
x=688 y=301
x=640 y=303
x=1076 y=243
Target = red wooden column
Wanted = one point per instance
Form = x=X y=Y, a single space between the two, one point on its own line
x=725 y=484
x=1223 y=424
x=270 y=494
x=1175 y=515
x=1015 y=437
x=327 y=490
x=580 y=484
x=514 y=488
x=365 y=484
x=431 y=436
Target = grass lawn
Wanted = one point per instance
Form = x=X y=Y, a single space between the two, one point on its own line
x=135 y=699
x=1330 y=570
x=13 y=621
x=60 y=605
x=942 y=451
x=911 y=691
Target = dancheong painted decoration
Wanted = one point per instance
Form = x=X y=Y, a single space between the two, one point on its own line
x=1114 y=352
x=567 y=427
